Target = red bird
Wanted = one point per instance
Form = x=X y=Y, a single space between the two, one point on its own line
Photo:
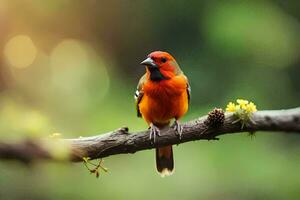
x=163 y=94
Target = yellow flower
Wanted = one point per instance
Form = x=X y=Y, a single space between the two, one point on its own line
x=231 y=107
x=242 y=102
x=243 y=107
x=250 y=108
x=242 y=111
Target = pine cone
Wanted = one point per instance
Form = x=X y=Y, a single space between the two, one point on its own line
x=215 y=118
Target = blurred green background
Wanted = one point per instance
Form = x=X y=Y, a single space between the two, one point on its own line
x=72 y=66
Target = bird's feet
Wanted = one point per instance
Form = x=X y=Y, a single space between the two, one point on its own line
x=154 y=131
x=178 y=128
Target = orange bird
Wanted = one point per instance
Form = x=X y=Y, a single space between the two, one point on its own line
x=163 y=94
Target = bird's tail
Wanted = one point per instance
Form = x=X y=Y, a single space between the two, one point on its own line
x=165 y=161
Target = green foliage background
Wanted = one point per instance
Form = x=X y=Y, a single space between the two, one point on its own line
x=84 y=73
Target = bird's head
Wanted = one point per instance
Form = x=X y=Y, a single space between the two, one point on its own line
x=161 y=66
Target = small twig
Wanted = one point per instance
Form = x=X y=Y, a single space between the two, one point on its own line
x=96 y=168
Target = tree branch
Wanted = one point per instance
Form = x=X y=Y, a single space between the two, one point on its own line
x=122 y=142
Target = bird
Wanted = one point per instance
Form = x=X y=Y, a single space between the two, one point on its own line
x=163 y=94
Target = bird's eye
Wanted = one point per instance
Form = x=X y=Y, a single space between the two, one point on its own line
x=163 y=60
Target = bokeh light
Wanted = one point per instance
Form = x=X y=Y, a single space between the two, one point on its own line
x=20 y=51
x=69 y=54
x=73 y=68
x=70 y=65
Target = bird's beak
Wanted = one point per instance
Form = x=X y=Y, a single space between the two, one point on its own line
x=149 y=62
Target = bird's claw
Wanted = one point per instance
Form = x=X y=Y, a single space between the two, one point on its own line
x=154 y=131
x=178 y=128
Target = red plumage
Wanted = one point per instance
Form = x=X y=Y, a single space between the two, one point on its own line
x=163 y=94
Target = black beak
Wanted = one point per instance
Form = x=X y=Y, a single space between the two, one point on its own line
x=149 y=62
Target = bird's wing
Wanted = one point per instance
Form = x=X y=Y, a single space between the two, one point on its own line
x=189 y=91
x=139 y=94
x=188 y=88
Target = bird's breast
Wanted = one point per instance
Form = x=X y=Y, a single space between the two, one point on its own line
x=164 y=100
